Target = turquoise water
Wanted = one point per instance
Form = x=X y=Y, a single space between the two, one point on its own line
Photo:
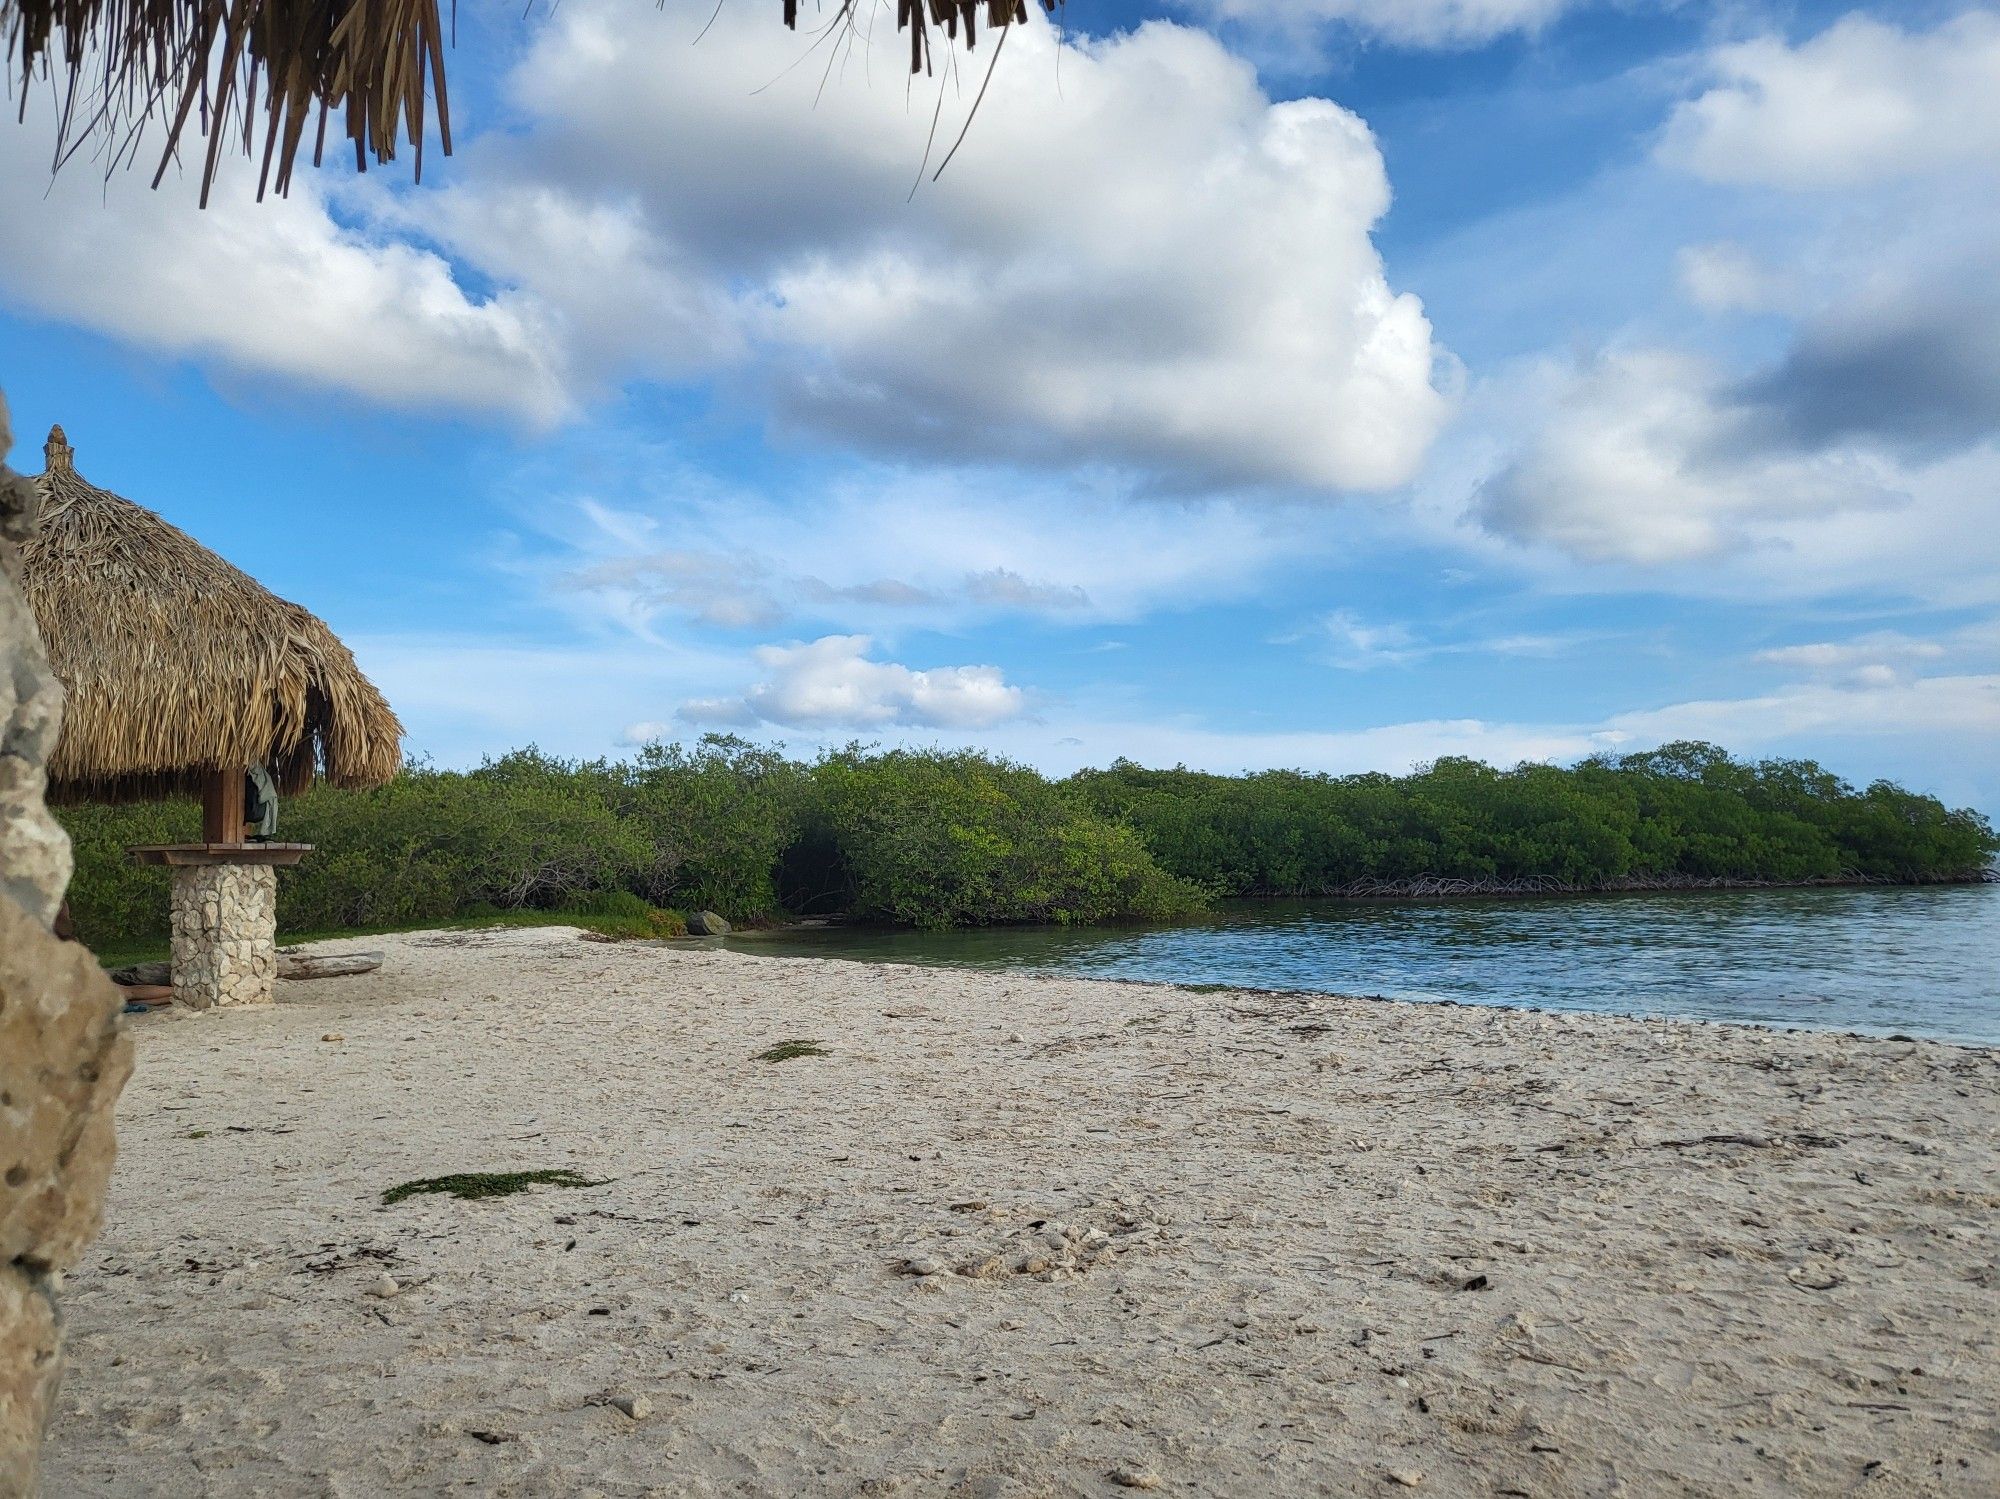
x=1920 y=961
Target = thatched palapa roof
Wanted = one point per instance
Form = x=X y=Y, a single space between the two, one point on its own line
x=178 y=664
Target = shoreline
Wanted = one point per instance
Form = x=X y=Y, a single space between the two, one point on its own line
x=117 y=954
x=1011 y=1240
x=1731 y=960
x=1254 y=991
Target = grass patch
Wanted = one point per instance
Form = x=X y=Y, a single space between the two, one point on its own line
x=470 y=1186
x=785 y=1051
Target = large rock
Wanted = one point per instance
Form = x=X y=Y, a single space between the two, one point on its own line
x=34 y=853
x=63 y=1059
x=63 y=1055
x=707 y=924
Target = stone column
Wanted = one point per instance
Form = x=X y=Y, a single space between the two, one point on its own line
x=225 y=934
x=63 y=1053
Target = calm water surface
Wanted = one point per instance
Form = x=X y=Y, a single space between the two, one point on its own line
x=1924 y=961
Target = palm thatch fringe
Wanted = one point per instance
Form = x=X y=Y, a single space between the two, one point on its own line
x=377 y=64
x=178 y=664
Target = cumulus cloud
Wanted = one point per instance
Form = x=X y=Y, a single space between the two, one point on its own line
x=1908 y=357
x=832 y=683
x=1725 y=506
x=1415 y=23
x=1851 y=453
x=1136 y=256
x=1646 y=457
x=275 y=288
x=1862 y=102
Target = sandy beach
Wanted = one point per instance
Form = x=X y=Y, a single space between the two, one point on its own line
x=1015 y=1237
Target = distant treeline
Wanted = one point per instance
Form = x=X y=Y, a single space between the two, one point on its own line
x=938 y=838
x=1684 y=815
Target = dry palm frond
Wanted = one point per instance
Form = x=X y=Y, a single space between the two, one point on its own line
x=177 y=664
x=958 y=18
x=119 y=64
x=377 y=65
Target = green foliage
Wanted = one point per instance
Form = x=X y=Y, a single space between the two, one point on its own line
x=471 y=1186
x=620 y=913
x=939 y=838
x=944 y=839
x=929 y=839
x=713 y=822
x=1683 y=813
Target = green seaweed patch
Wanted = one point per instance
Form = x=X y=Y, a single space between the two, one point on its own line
x=470 y=1186
x=785 y=1051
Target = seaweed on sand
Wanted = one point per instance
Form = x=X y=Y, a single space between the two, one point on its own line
x=470 y=1186
x=784 y=1051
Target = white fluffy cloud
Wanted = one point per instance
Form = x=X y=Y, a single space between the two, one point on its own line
x=1857 y=453
x=1419 y=23
x=279 y=288
x=1137 y=258
x=1861 y=102
x=1644 y=457
x=832 y=683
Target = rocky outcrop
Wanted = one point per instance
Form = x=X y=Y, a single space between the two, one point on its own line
x=63 y=1054
x=34 y=854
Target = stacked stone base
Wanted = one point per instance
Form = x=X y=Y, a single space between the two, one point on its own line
x=225 y=934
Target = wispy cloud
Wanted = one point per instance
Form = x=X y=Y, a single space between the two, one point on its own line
x=1343 y=638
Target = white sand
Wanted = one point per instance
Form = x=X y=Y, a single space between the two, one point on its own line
x=1296 y=1191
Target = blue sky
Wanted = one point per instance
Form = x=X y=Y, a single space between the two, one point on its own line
x=1336 y=383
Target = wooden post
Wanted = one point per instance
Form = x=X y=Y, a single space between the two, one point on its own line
x=222 y=807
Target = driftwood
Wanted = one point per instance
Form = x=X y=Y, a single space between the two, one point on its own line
x=291 y=965
x=332 y=966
